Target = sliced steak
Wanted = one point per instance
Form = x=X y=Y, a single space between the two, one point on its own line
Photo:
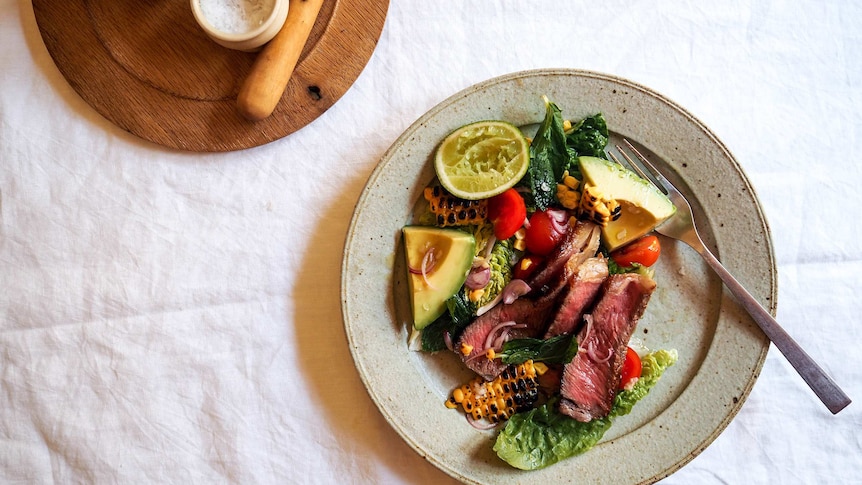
x=591 y=379
x=580 y=292
x=580 y=242
x=530 y=317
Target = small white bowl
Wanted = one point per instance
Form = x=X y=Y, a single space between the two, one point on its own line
x=224 y=22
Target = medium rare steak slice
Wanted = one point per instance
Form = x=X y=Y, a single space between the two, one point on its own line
x=580 y=242
x=591 y=379
x=524 y=317
x=578 y=296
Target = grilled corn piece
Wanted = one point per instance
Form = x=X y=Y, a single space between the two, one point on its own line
x=515 y=390
x=597 y=208
x=453 y=211
x=567 y=192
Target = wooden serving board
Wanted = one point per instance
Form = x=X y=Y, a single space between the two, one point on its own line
x=148 y=68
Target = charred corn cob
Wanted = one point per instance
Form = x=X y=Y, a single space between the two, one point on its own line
x=453 y=211
x=514 y=390
x=597 y=208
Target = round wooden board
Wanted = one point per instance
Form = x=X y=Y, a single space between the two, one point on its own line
x=149 y=68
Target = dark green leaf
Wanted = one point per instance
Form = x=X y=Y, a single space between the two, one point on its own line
x=555 y=350
x=589 y=137
x=549 y=157
x=432 y=335
x=460 y=313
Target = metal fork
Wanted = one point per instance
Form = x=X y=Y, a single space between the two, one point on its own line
x=681 y=226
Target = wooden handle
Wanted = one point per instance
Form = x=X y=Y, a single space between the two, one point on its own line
x=273 y=67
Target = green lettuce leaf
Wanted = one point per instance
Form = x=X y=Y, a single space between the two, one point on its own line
x=543 y=436
x=500 y=260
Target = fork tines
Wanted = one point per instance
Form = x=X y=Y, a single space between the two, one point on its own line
x=641 y=167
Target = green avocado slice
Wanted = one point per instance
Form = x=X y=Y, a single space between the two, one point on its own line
x=643 y=206
x=450 y=260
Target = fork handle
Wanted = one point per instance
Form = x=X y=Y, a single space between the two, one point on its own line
x=826 y=389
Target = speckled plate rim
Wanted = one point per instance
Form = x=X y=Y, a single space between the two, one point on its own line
x=393 y=375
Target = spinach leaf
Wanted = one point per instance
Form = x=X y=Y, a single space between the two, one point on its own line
x=549 y=158
x=454 y=321
x=589 y=137
x=555 y=350
x=461 y=311
x=432 y=335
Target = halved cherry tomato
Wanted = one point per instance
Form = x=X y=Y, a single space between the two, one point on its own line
x=631 y=367
x=507 y=212
x=527 y=266
x=644 y=251
x=543 y=233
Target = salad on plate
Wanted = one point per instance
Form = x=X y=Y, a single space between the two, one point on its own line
x=532 y=262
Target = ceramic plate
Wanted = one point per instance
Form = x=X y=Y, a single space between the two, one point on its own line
x=720 y=349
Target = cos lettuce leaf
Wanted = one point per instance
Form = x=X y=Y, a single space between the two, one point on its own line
x=543 y=436
x=500 y=261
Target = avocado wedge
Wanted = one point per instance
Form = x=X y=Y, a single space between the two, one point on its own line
x=449 y=258
x=643 y=206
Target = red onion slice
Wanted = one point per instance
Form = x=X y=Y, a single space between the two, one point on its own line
x=492 y=335
x=447 y=339
x=426 y=271
x=491 y=304
x=514 y=290
x=559 y=220
x=511 y=292
x=588 y=319
x=489 y=247
x=429 y=262
x=479 y=277
x=497 y=345
x=593 y=354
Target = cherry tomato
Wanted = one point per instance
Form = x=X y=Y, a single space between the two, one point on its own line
x=543 y=233
x=527 y=266
x=508 y=213
x=631 y=367
x=644 y=251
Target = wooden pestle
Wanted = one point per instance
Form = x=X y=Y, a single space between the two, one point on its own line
x=272 y=68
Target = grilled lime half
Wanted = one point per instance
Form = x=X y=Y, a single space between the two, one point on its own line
x=482 y=159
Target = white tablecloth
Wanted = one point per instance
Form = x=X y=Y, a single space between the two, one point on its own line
x=175 y=317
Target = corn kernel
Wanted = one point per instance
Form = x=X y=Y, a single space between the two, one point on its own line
x=466 y=348
x=540 y=368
